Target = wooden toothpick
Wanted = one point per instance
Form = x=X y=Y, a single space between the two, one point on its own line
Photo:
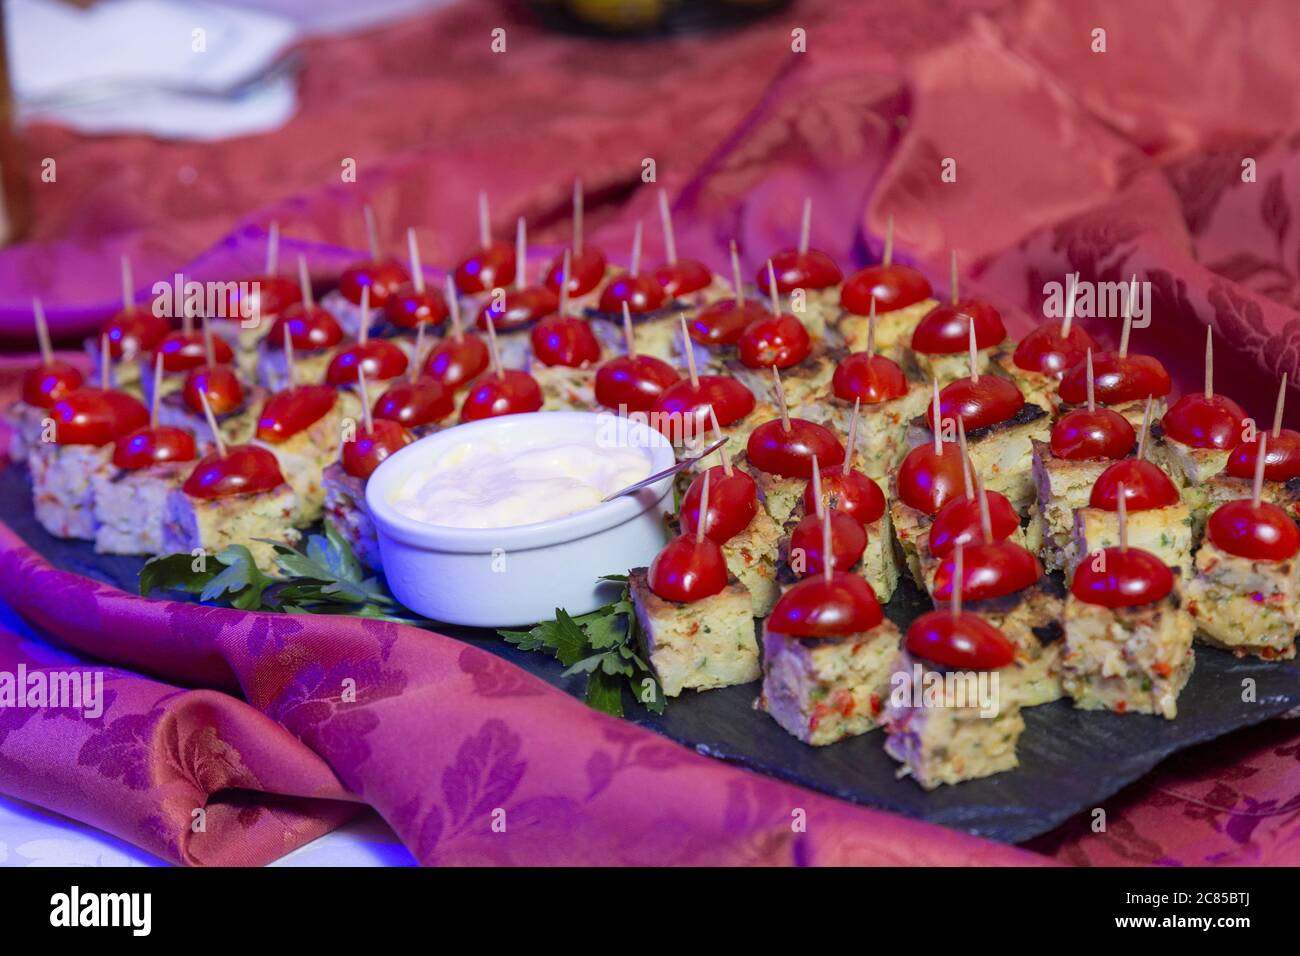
x=453 y=306
x=273 y=248
x=42 y=332
x=521 y=253
x=888 y=257
x=209 y=347
x=1258 y=490
x=629 y=334
x=704 y=511
x=567 y=267
x=157 y=389
x=771 y=287
x=805 y=227
x=666 y=217
x=484 y=221
x=417 y=354
x=417 y=269
x=1277 y=409
x=817 y=489
x=1073 y=283
x=493 y=355
x=1092 y=384
x=974 y=352
x=1146 y=429
x=372 y=232
x=968 y=483
x=128 y=285
x=957 y=571
x=366 y=416
x=828 y=558
x=986 y=520
x=288 y=356
x=954 y=277
x=938 y=420
x=735 y=274
x=1128 y=317
x=852 y=438
x=780 y=399
x=304 y=283
x=635 y=269
x=212 y=423
x=577 y=217
x=363 y=333
x=105 y=362
x=871 y=327
x=722 y=450
x=1209 y=362
x=690 y=352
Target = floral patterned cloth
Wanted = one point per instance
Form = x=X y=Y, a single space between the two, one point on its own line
x=1107 y=163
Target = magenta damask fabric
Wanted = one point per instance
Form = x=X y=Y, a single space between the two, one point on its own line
x=1172 y=154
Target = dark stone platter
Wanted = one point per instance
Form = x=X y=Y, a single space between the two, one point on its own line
x=1070 y=761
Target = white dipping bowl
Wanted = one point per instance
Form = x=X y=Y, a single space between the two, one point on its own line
x=506 y=577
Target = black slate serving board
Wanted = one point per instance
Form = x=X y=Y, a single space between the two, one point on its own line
x=1070 y=761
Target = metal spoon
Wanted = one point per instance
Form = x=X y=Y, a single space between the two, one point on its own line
x=666 y=473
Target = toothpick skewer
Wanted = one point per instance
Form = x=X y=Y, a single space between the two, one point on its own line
x=888 y=257
x=818 y=508
x=974 y=352
x=1209 y=362
x=635 y=268
x=735 y=275
x=629 y=335
x=209 y=347
x=577 y=218
x=521 y=253
x=954 y=277
x=771 y=287
x=957 y=571
x=372 y=232
x=1073 y=284
x=805 y=227
x=938 y=420
x=484 y=221
x=1277 y=409
x=851 y=440
x=273 y=248
x=128 y=285
x=417 y=354
x=1258 y=489
x=564 y=283
x=704 y=510
x=1146 y=430
x=289 y=362
x=157 y=389
x=780 y=399
x=722 y=450
x=871 y=327
x=968 y=482
x=828 y=562
x=417 y=269
x=363 y=333
x=1092 y=384
x=304 y=284
x=666 y=217
x=1122 y=509
x=105 y=363
x=42 y=332
x=986 y=520
x=690 y=351
x=1128 y=317
x=493 y=355
x=366 y=416
x=453 y=306
x=212 y=423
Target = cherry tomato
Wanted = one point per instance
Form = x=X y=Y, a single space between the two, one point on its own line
x=384 y=278
x=779 y=340
x=96 y=416
x=219 y=383
x=1081 y=435
x=893 y=287
x=1260 y=532
x=853 y=493
x=134 y=331
x=872 y=378
x=687 y=570
x=382 y=359
x=182 y=351
x=455 y=362
x=773 y=449
x=408 y=309
x=151 y=446
x=586 y=270
x=363 y=454
x=1200 y=422
x=268 y=296
x=312 y=330
x=1116 y=380
x=990 y=569
x=1281 y=460
x=965 y=642
x=977 y=403
x=815 y=607
x=642 y=293
x=945 y=330
x=926 y=480
x=723 y=322
x=795 y=270
x=1145 y=487
x=45 y=384
x=426 y=401
x=485 y=269
x=848 y=541
x=510 y=393
x=289 y=412
x=959 y=522
x=1045 y=350
x=565 y=340
x=519 y=308
x=683 y=277
x=634 y=382
x=733 y=502
x=1122 y=578
x=686 y=407
x=242 y=470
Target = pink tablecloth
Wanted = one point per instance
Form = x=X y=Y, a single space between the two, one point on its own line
x=1108 y=163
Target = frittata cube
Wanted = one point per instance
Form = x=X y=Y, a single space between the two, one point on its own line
x=345 y=508
x=63 y=494
x=215 y=524
x=129 y=507
x=1165 y=532
x=1245 y=606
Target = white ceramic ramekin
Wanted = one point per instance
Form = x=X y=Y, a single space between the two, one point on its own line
x=506 y=577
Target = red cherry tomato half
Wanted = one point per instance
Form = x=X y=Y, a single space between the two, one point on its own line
x=852 y=493
x=978 y=404
x=1127 y=578
x=289 y=412
x=384 y=278
x=683 y=277
x=152 y=446
x=565 y=340
x=926 y=480
x=687 y=570
x=1081 y=435
x=426 y=401
x=1281 y=460
x=242 y=470
x=96 y=416
x=959 y=522
x=1047 y=351
x=773 y=449
x=1145 y=487
x=683 y=408
x=219 y=383
x=815 y=607
x=408 y=309
x=484 y=269
x=871 y=378
x=990 y=569
x=311 y=330
x=1261 y=532
x=945 y=330
x=518 y=308
x=455 y=362
x=382 y=359
x=800 y=270
x=1200 y=422
x=779 y=340
x=586 y=270
x=510 y=393
x=733 y=502
x=134 y=331
x=723 y=322
x=893 y=287
x=45 y=384
x=1116 y=380
x=633 y=382
x=848 y=541
x=267 y=297
x=642 y=293
x=363 y=454
x=965 y=641
x=182 y=351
